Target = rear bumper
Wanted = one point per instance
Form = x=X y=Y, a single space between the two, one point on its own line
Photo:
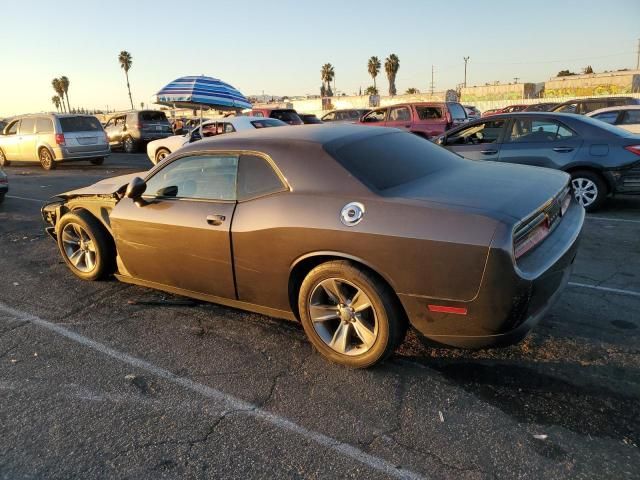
x=510 y=301
x=64 y=154
x=625 y=181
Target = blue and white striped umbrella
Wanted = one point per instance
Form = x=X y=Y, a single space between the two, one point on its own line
x=194 y=91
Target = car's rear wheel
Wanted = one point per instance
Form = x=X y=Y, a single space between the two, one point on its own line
x=161 y=154
x=589 y=189
x=128 y=145
x=85 y=246
x=2 y=197
x=46 y=159
x=3 y=160
x=350 y=316
x=97 y=161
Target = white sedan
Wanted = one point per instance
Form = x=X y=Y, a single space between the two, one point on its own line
x=623 y=116
x=158 y=150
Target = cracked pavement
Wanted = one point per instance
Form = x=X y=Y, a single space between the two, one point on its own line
x=69 y=411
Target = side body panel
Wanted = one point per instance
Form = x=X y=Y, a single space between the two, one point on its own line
x=422 y=253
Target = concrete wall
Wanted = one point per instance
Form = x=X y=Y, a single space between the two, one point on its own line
x=611 y=83
x=510 y=91
x=315 y=105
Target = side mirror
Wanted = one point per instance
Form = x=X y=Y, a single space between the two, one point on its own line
x=440 y=140
x=135 y=189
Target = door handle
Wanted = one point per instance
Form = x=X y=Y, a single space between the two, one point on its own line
x=488 y=152
x=563 y=149
x=215 y=219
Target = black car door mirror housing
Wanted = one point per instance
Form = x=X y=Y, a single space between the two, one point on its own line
x=135 y=189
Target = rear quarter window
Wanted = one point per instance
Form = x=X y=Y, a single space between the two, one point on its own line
x=387 y=160
x=80 y=124
x=429 y=113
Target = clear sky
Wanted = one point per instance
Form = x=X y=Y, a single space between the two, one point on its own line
x=279 y=46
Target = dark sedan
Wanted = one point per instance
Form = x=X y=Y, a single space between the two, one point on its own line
x=602 y=159
x=373 y=230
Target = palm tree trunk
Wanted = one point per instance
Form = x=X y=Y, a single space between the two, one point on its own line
x=66 y=94
x=374 y=83
x=129 y=88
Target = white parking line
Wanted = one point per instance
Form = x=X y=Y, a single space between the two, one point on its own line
x=609 y=219
x=231 y=403
x=605 y=289
x=26 y=198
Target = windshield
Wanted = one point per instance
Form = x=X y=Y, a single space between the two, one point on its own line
x=80 y=124
x=390 y=159
x=268 y=122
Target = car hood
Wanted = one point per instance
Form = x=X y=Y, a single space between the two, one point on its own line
x=107 y=186
x=490 y=188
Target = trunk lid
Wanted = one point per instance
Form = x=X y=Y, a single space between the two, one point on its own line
x=494 y=189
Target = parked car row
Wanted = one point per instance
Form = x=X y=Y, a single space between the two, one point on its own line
x=160 y=149
x=601 y=159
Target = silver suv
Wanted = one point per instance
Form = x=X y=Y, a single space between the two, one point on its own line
x=53 y=138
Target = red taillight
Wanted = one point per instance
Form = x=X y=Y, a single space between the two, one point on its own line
x=531 y=239
x=60 y=139
x=447 y=309
x=3 y=180
x=633 y=149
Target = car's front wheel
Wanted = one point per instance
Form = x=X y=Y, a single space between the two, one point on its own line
x=46 y=159
x=85 y=246
x=589 y=189
x=161 y=154
x=97 y=161
x=350 y=316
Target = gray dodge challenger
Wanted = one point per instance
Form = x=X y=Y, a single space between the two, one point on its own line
x=357 y=232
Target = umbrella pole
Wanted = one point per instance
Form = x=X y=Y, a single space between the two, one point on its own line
x=201 y=135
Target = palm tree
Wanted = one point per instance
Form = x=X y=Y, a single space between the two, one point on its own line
x=64 y=82
x=327 y=73
x=56 y=101
x=126 y=60
x=391 y=66
x=374 y=68
x=57 y=86
x=412 y=91
x=371 y=90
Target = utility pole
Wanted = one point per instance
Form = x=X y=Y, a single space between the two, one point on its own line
x=466 y=59
x=516 y=79
x=432 y=82
x=638 y=60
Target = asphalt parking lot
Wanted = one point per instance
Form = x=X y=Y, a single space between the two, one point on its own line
x=111 y=380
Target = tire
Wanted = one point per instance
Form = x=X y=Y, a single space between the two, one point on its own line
x=97 y=257
x=2 y=197
x=3 y=160
x=129 y=145
x=161 y=154
x=368 y=336
x=97 y=161
x=46 y=159
x=589 y=189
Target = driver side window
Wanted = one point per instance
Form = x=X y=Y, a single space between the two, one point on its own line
x=13 y=128
x=485 y=132
x=375 y=116
x=206 y=177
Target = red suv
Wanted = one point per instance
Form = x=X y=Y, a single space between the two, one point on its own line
x=426 y=119
x=287 y=115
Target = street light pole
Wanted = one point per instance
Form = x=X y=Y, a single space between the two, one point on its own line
x=466 y=59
